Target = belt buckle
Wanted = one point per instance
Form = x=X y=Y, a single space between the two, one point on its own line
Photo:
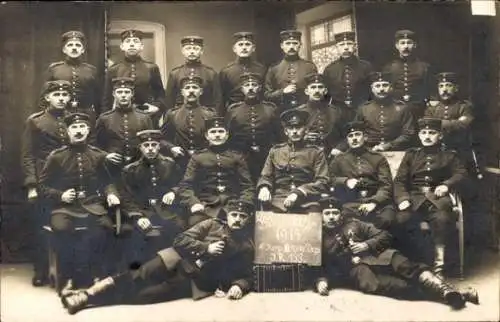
x=191 y=151
x=255 y=148
x=348 y=103
x=425 y=189
x=81 y=194
x=152 y=202
x=221 y=188
x=363 y=193
x=406 y=98
x=128 y=159
x=293 y=186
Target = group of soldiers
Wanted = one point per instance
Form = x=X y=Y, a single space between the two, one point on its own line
x=188 y=166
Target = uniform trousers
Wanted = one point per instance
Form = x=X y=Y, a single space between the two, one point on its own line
x=382 y=218
x=40 y=214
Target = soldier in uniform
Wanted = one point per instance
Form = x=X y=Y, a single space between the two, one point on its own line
x=285 y=81
x=83 y=77
x=43 y=132
x=229 y=76
x=116 y=129
x=389 y=124
x=149 y=93
x=456 y=116
x=149 y=194
x=215 y=254
x=360 y=253
x=253 y=124
x=184 y=126
x=348 y=78
x=192 y=50
x=325 y=121
x=362 y=180
x=215 y=175
x=409 y=75
x=422 y=185
x=76 y=180
x=295 y=173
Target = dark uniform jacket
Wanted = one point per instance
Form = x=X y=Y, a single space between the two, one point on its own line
x=144 y=184
x=421 y=170
x=83 y=168
x=232 y=267
x=85 y=83
x=387 y=121
x=411 y=79
x=295 y=168
x=326 y=121
x=184 y=126
x=43 y=132
x=229 y=78
x=116 y=131
x=373 y=172
x=215 y=175
x=348 y=81
x=336 y=255
x=291 y=70
x=253 y=124
x=148 y=84
x=211 y=96
x=456 y=132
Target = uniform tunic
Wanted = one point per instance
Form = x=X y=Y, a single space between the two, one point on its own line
x=147 y=79
x=230 y=81
x=211 y=96
x=291 y=70
x=295 y=168
x=387 y=122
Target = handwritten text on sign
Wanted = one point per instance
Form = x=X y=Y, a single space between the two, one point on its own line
x=287 y=238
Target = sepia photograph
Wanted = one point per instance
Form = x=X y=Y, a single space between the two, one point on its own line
x=250 y=161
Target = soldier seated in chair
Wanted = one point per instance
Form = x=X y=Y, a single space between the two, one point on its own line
x=215 y=254
x=361 y=253
x=422 y=186
x=76 y=180
x=295 y=173
x=362 y=180
x=214 y=175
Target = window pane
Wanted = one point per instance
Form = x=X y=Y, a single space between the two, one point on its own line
x=342 y=24
x=324 y=56
x=318 y=34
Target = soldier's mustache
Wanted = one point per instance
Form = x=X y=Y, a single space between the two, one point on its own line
x=79 y=135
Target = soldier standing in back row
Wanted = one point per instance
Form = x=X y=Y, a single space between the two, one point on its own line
x=348 y=78
x=192 y=50
x=409 y=75
x=83 y=77
x=149 y=94
x=285 y=81
x=229 y=76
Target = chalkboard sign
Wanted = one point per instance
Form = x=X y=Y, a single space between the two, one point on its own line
x=287 y=238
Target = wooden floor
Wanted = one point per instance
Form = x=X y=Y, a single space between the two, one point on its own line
x=20 y=302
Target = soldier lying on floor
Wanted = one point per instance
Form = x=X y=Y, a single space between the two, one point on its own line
x=215 y=254
x=360 y=253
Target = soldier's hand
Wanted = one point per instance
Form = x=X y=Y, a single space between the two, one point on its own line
x=152 y=109
x=367 y=208
x=264 y=194
x=292 y=88
x=441 y=190
x=322 y=288
x=403 y=205
x=290 y=200
x=114 y=158
x=335 y=152
x=144 y=223
x=32 y=194
x=358 y=247
x=197 y=208
x=177 y=151
x=168 y=198
x=68 y=196
x=351 y=183
x=234 y=293
x=112 y=200
x=216 y=248
x=378 y=148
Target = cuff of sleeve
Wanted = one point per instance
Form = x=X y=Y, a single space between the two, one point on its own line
x=300 y=191
x=401 y=199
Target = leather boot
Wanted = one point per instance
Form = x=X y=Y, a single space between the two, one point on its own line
x=445 y=291
x=77 y=301
x=470 y=295
x=439 y=260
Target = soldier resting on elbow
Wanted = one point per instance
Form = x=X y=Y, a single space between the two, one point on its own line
x=215 y=254
x=361 y=253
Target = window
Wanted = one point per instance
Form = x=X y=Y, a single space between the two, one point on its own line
x=322 y=42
